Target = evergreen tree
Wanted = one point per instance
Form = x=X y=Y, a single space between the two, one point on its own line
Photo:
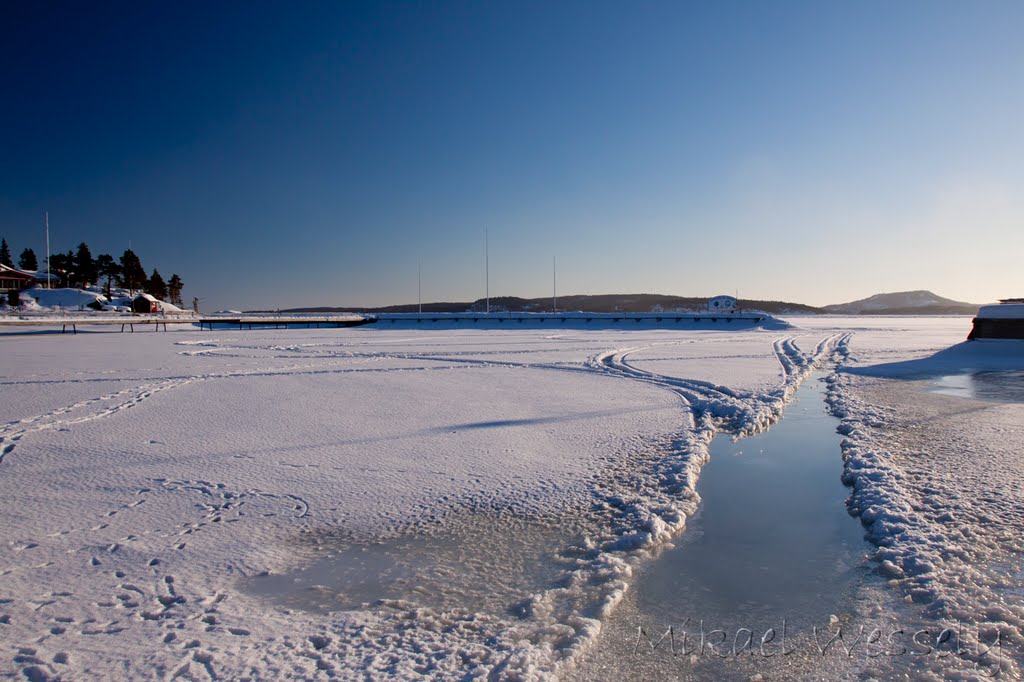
x=70 y=276
x=62 y=265
x=85 y=267
x=156 y=287
x=27 y=260
x=5 y=254
x=133 y=276
x=107 y=267
x=174 y=287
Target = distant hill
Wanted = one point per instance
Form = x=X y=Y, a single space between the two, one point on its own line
x=904 y=303
x=603 y=303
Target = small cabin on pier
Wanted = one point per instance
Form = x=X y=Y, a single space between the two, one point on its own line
x=145 y=304
x=722 y=304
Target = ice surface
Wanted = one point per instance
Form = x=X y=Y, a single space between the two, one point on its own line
x=1000 y=386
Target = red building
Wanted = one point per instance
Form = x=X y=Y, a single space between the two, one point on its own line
x=145 y=304
x=14 y=280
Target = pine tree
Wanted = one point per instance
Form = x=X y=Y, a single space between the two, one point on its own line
x=156 y=287
x=133 y=276
x=85 y=266
x=27 y=260
x=69 y=269
x=5 y=254
x=62 y=266
x=107 y=267
x=174 y=287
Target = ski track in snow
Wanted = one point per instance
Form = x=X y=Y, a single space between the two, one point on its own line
x=643 y=509
x=659 y=501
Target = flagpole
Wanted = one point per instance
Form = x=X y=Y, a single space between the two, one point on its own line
x=554 y=283
x=487 y=271
x=48 y=284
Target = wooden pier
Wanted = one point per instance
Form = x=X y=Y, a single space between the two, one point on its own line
x=282 y=322
x=242 y=322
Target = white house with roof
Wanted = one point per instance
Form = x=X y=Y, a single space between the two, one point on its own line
x=722 y=304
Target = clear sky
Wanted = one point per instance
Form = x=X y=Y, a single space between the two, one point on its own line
x=299 y=153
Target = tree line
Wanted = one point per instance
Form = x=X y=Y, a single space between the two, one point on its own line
x=80 y=269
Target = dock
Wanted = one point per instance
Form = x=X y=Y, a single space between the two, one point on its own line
x=286 y=321
x=129 y=323
x=576 y=318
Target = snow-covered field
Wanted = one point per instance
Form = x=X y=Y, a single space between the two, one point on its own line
x=154 y=485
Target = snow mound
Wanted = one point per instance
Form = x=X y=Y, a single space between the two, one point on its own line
x=70 y=299
x=124 y=302
x=969 y=356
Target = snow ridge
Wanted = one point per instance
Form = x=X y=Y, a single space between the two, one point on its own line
x=645 y=520
x=948 y=540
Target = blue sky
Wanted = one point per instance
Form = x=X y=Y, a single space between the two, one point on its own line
x=286 y=154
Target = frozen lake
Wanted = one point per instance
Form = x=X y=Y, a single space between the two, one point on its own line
x=302 y=504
